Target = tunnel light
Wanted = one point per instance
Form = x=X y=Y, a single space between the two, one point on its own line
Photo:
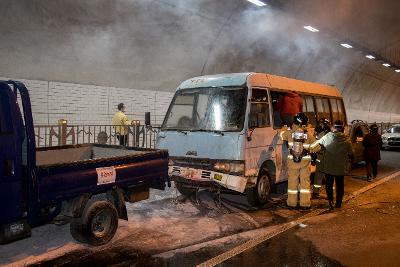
x=386 y=64
x=397 y=70
x=311 y=29
x=370 y=56
x=257 y=2
x=346 y=45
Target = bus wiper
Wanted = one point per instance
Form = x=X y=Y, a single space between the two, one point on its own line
x=213 y=131
x=182 y=131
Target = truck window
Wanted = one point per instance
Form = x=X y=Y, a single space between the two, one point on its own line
x=5 y=123
x=259 y=109
x=309 y=110
x=323 y=110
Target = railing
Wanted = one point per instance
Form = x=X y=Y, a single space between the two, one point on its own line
x=383 y=126
x=63 y=134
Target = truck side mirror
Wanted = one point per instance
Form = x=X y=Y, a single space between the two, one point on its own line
x=147 y=118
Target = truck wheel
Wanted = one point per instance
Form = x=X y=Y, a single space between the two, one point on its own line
x=259 y=194
x=98 y=223
x=184 y=190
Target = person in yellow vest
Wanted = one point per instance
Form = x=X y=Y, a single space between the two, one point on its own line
x=298 y=161
x=121 y=122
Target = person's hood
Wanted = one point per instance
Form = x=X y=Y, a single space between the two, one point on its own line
x=339 y=136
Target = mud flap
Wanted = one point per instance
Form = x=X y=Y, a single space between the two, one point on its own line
x=14 y=231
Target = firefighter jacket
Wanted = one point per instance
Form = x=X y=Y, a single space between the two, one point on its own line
x=286 y=135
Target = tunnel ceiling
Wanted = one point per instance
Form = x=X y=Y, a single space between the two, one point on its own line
x=155 y=44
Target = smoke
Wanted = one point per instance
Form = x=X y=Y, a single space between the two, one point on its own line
x=155 y=44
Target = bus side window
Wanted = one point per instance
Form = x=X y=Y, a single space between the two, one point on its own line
x=275 y=100
x=308 y=109
x=342 y=114
x=259 y=109
x=323 y=110
x=335 y=109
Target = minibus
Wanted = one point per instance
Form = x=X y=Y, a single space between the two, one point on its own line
x=222 y=131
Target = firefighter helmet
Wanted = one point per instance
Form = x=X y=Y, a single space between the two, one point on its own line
x=300 y=119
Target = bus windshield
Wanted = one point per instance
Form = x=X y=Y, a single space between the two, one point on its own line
x=207 y=109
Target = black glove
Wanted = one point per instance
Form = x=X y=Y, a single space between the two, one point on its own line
x=313 y=159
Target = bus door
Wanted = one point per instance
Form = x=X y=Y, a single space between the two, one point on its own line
x=262 y=138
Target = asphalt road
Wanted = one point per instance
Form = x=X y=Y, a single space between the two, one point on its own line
x=168 y=230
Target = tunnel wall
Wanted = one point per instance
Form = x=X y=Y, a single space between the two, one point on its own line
x=91 y=105
x=154 y=45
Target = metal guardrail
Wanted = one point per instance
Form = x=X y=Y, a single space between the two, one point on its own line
x=383 y=126
x=63 y=134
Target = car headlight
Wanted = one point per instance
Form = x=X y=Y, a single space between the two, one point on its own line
x=229 y=167
x=171 y=162
x=384 y=138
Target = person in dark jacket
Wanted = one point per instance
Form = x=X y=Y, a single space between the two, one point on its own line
x=323 y=127
x=372 y=151
x=337 y=153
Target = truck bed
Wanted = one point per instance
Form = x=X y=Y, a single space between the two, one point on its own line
x=79 y=153
x=68 y=171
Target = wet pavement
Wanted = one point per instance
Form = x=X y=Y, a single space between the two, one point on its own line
x=169 y=230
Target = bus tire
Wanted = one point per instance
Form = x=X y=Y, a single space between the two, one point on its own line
x=98 y=224
x=184 y=190
x=258 y=195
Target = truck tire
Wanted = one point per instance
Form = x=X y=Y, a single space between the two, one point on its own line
x=98 y=223
x=259 y=194
x=184 y=190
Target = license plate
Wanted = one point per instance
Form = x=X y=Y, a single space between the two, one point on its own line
x=191 y=174
x=218 y=177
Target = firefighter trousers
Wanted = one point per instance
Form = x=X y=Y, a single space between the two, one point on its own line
x=299 y=181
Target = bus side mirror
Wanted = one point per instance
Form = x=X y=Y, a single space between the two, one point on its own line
x=147 y=118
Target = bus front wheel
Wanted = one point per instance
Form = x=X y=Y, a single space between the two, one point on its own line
x=259 y=194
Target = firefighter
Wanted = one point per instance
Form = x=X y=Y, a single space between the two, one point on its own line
x=323 y=127
x=298 y=161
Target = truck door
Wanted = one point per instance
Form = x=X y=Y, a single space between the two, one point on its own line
x=11 y=137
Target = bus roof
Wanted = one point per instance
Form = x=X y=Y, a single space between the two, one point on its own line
x=261 y=80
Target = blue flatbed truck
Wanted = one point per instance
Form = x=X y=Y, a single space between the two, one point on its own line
x=84 y=185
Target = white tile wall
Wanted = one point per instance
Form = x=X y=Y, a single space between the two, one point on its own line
x=90 y=104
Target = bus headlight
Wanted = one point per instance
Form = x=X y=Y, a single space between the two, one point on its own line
x=236 y=167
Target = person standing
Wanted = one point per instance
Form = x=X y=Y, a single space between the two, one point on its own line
x=323 y=127
x=372 y=151
x=290 y=105
x=337 y=153
x=121 y=122
x=298 y=161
